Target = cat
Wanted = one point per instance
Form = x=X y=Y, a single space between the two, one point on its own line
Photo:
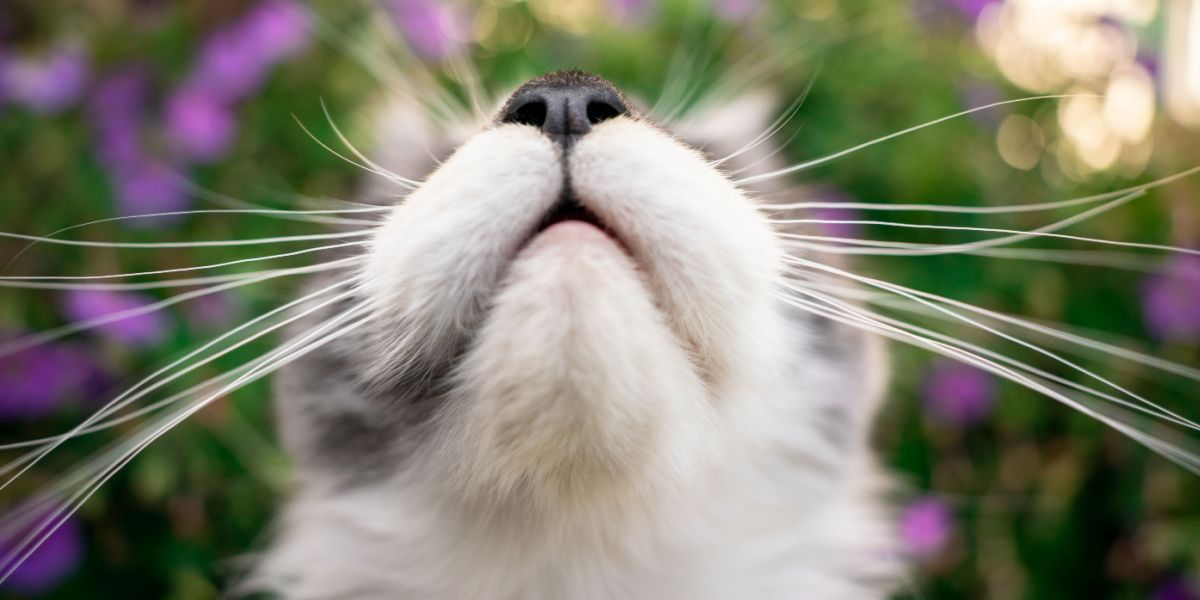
x=578 y=380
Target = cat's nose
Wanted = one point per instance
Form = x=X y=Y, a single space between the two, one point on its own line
x=564 y=104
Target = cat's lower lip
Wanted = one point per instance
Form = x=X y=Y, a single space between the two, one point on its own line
x=575 y=231
x=573 y=228
x=570 y=221
x=571 y=235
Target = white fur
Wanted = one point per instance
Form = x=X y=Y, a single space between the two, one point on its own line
x=631 y=418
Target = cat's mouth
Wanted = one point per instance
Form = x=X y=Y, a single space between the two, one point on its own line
x=568 y=208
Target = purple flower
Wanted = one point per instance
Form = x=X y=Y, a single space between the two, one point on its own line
x=4 y=92
x=225 y=68
x=830 y=195
x=200 y=125
x=1171 y=300
x=958 y=393
x=36 y=382
x=276 y=30
x=1175 y=588
x=142 y=329
x=432 y=28
x=926 y=527
x=52 y=562
x=970 y=9
x=46 y=84
x=121 y=95
x=118 y=145
x=117 y=109
x=735 y=10
x=235 y=60
x=146 y=188
x=143 y=183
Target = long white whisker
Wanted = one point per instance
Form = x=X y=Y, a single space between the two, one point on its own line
x=752 y=69
x=1188 y=460
x=1151 y=410
x=987 y=210
x=1076 y=238
x=221 y=199
x=65 y=330
x=928 y=299
x=673 y=79
x=1113 y=259
x=31 y=542
x=935 y=249
x=133 y=393
x=836 y=155
x=13 y=519
x=199 y=244
x=379 y=66
x=779 y=123
x=1070 y=340
x=374 y=165
x=464 y=73
x=30 y=278
x=402 y=182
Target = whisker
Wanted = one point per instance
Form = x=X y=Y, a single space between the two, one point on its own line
x=1184 y=458
x=928 y=299
x=11 y=280
x=779 y=123
x=386 y=69
x=1076 y=238
x=22 y=343
x=1069 y=340
x=197 y=244
x=132 y=394
x=318 y=200
x=221 y=199
x=836 y=155
x=402 y=182
x=1128 y=261
x=936 y=249
x=29 y=544
x=14 y=520
x=374 y=165
x=29 y=459
x=278 y=213
x=1015 y=208
x=776 y=151
x=751 y=70
x=672 y=78
x=1151 y=410
x=465 y=74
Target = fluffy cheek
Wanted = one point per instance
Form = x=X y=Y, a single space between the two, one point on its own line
x=575 y=392
x=440 y=254
x=711 y=257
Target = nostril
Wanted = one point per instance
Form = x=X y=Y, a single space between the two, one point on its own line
x=564 y=105
x=601 y=110
x=532 y=112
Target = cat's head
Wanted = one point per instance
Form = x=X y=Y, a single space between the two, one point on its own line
x=575 y=307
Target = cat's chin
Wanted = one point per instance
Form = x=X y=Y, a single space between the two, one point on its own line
x=570 y=236
x=575 y=390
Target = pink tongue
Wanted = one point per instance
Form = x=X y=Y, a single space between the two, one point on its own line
x=571 y=230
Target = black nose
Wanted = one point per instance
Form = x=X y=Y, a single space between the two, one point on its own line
x=564 y=104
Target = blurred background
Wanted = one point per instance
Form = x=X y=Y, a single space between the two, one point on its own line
x=117 y=108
